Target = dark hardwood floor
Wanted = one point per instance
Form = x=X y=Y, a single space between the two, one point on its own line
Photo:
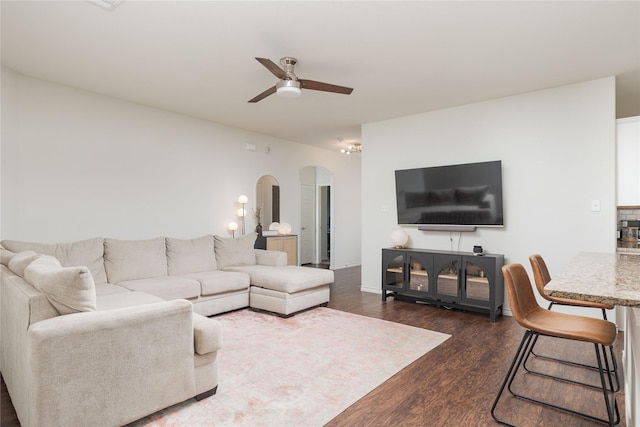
x=454 y=384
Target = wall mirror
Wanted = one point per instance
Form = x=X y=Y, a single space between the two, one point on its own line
x=268 y=200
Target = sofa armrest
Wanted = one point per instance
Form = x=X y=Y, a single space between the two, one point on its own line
x=207 y=334
x=273 y=258
x=114 y=366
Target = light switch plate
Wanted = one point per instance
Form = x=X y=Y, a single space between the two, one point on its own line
x=595 y=206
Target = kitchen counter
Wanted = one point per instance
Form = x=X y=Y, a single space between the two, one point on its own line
x=608 y=278
x=613 y=279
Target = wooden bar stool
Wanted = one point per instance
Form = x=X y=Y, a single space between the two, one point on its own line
x=541 y=277
x=538 y=321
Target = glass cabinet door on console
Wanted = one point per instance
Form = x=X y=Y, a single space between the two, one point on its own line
x=478 y=274
x=393 y=271
x=406 y=272
x=418 y=267
x=448 y=268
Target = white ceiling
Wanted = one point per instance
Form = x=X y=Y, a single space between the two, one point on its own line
x=401 y=58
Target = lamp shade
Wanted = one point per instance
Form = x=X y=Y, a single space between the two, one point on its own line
x=284 y=228
x=399 y=238
x=233 y=226
x=242 y=212
x=242 y=199
x=274 y=226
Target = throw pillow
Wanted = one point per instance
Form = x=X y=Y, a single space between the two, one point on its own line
x=6 y=256
x=190 y=256
x=21 y=260
x=235 y=252
x=68 y=289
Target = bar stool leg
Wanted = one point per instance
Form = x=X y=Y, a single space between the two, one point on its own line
x=609 y=393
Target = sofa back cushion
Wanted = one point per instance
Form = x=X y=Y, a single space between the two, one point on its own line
x=68 y=289
x=235 y=252
x=190 y=256
x=87 y=253
x=134 y=259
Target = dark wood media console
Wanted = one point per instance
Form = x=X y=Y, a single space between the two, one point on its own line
x=450 y=279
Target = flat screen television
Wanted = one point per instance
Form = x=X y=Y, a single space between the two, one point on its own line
x=454 y=195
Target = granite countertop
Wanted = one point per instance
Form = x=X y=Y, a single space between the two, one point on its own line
x=600 y=277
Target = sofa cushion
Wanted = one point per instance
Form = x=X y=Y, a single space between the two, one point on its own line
x=232 y=252
x=21 y=260
x=134 y=259
x=69 y=289
x=190 y=256
x=124 y=300
x=167 y=287
x=108 y=289
x=219 y=282
x=207 y=334
x=287 y=279
x=87 y=253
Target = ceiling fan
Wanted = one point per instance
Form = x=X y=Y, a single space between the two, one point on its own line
x=290 y=86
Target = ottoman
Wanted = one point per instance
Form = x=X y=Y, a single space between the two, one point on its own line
x=286 y=290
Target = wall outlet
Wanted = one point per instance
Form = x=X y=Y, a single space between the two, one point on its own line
x=250 y=147
x=595 y=206
x=384 y=208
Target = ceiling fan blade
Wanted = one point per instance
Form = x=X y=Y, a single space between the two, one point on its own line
x=271 y=66
x=264 y=94
x=325 y=87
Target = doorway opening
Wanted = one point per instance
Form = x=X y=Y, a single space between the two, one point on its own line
x=316 y=217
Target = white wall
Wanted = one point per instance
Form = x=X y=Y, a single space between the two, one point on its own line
x=77 y=165
x=557 y=149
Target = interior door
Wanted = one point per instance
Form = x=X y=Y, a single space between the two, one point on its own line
x=307 y=223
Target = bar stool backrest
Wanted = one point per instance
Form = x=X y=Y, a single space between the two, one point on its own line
x=522 y=301
x=541 y=274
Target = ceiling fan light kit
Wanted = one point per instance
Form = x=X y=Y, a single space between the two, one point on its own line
x=288 y=88
x=289 y=85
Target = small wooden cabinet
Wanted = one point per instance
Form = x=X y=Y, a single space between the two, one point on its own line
x=449 y=279
x=288 y=244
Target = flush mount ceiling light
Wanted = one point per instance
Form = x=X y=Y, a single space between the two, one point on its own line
x=354 y=148
x=107 y=4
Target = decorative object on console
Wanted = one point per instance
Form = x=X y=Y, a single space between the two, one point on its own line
x=242 y=212
x=477 y=250
x=233 y=226
x=284 y=228
x=399 y=238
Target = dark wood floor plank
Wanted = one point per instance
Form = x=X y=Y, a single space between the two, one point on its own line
x=456 y=383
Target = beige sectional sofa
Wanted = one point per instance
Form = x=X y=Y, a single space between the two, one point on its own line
x=106 y=331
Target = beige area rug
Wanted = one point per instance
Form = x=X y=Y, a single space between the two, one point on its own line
x=301 y=371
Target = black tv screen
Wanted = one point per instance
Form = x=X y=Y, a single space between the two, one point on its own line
x=465 y=194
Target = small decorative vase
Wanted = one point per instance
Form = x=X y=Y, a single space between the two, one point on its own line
x=259 y=229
